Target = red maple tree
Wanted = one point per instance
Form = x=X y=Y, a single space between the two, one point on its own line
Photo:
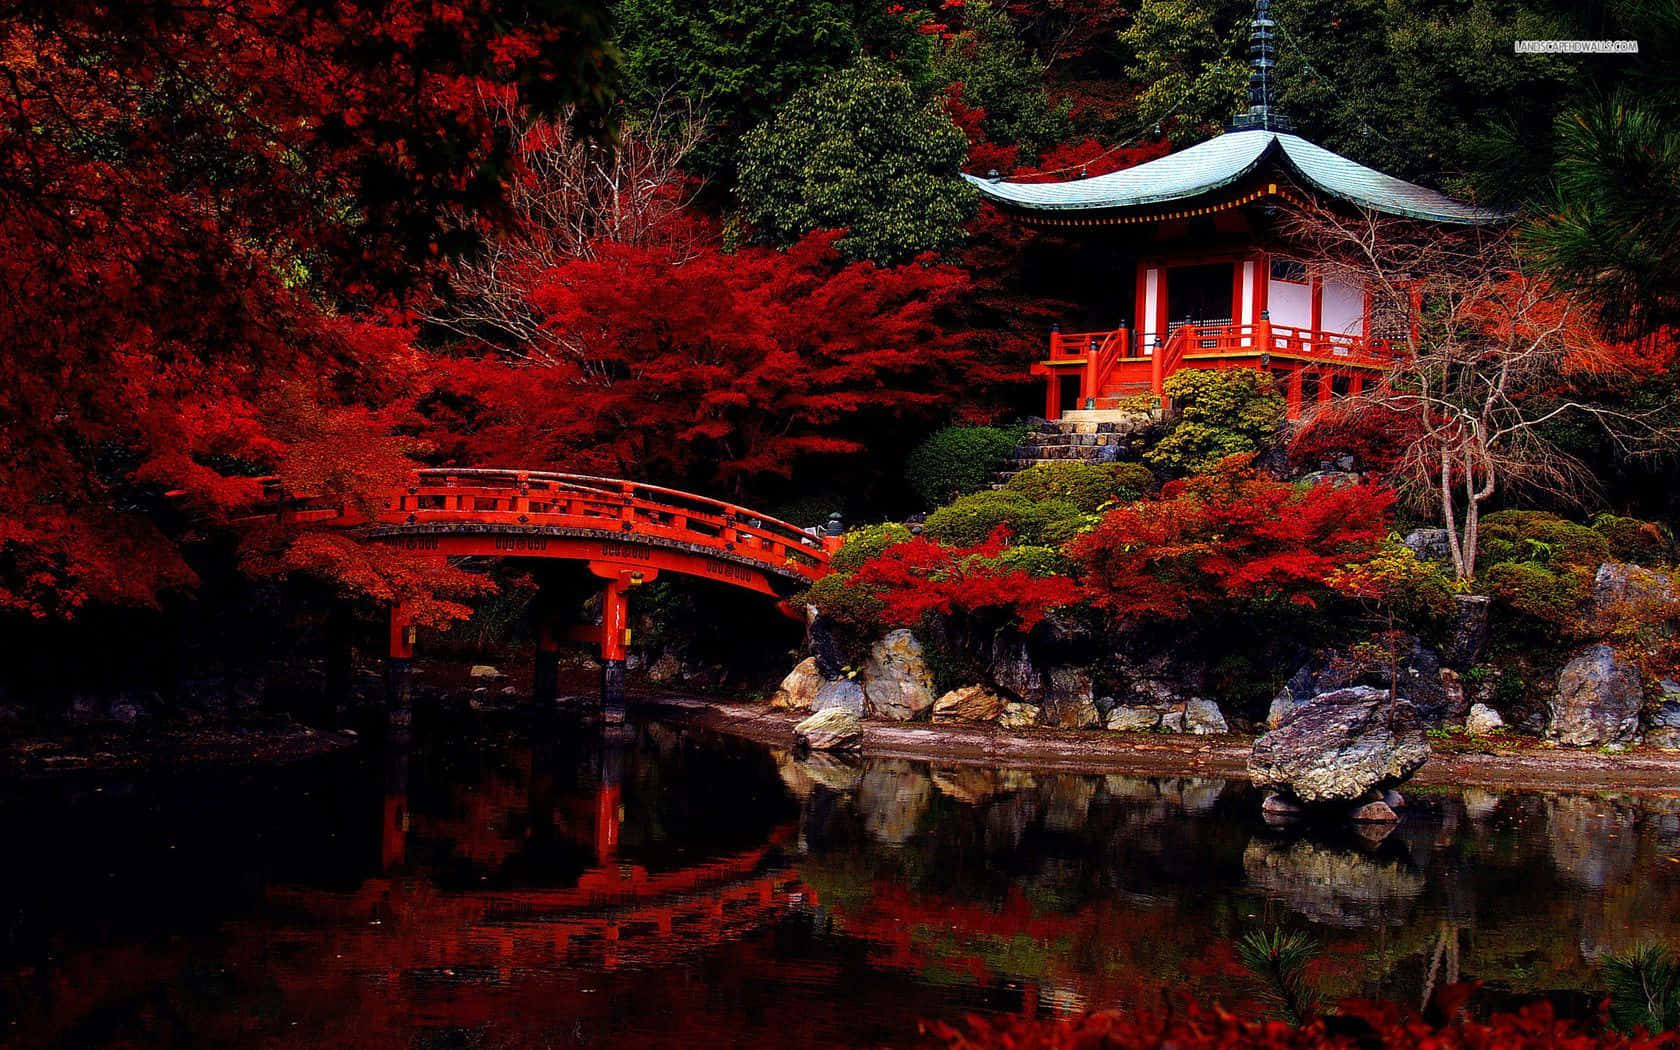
x=1231 y=534
x=921 y=576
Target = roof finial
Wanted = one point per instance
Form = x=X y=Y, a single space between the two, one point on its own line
x=1262 y=102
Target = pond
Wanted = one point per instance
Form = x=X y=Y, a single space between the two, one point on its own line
x=526 y=886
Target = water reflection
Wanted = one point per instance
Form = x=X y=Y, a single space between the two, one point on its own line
x=548 y=886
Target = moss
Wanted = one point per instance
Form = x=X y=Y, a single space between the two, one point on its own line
x=1086 y=485
x=853 y=609
x=1554 y=596
x=1541 y=538
x=1633 y=540
x=971 y=519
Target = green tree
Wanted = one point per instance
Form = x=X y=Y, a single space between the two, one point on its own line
x=1000 y=76
x=1188 y=54
x=1220 y=413
x=861 y=150
x=739 y=59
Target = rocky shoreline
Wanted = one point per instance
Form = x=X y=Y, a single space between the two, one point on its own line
x=1499 y=767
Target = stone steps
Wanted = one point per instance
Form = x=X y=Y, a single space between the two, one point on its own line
x=1081 y=436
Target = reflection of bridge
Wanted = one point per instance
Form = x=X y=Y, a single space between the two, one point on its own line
x=627 y=533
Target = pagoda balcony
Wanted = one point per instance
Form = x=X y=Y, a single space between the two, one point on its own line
x=1109 y=370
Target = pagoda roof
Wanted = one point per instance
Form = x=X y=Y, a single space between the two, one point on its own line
x=1226 y=160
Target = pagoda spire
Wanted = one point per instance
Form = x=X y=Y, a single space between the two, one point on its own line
x=1262 y=109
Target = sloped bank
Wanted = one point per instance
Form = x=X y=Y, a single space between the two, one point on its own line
x=1154 y=754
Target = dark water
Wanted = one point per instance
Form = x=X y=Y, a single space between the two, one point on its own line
x=533 y=887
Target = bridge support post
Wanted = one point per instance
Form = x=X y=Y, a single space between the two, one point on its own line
x=615 y=638
x=399 y=669
x=545 y=675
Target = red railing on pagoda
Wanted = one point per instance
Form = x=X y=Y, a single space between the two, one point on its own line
x=1112 y=368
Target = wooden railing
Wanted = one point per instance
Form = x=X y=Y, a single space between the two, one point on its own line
x=538 y=499
x=1108 y=361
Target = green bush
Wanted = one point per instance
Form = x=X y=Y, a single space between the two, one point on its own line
x=971 y=519
x=1536 y=536
x=958 y=460
x=1553 y=597
x=1221 y=412
x=860 y=150
x=854 y=609
x=1633 y=540
x=863 y=544
x=1036 y=561
x=1085 y=485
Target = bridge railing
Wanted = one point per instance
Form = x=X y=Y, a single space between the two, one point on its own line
x=540 y=498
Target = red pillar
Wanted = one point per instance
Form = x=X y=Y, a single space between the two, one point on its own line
x=1295 y=394
x=399 y=666
x=615 y=638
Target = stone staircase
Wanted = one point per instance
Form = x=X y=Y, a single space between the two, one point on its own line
x=1090 y=436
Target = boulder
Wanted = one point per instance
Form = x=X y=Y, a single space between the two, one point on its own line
x=1469 y=633
x=1203 y=718
x=1172 y=721
x=896 y=679
x=971 y=703
x=1483 y=720
x=483 y=671
x=1419 y=680
x=1664 y=733
x=834 y=729
x=1638 y=591
x=1284 y=706
x=1132 y=719
x=1019 y=716
x=799 y=688
x=840 y=694
x=1012 y=669
x=1378 y=812
x=1333 y=885
x=1429 y=544
x=1340 y=745
x=1069 y=702
x=1597 y=702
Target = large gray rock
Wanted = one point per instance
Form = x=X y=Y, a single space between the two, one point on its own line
x=1340 y=745
x=1069 y=702
x=1126 y=719
x=1203 y=718
x=832 y=730
x=1012 y=669
x=1597 y=701
x=1419 y=680
x=1483 y=720
x=896 y=679
x=1429 y=544
x=840 y=694
x=971 y=703
x=1616 y=583
x=1469 y=634
x=799 y=688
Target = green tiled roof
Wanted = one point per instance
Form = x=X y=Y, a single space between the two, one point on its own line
x=1226 y=159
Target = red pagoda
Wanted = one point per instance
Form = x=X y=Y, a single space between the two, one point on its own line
x=1193 y=238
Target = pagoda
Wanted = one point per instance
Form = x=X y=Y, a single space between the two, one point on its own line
x=1191 y=241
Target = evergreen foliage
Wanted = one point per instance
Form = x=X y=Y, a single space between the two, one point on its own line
x=1644 y=990
x=1002 y=79
x=865 y=543
x=1226 y=412
x=959 y=460
x=1279 y=960
x=862 y=151
x=1085 y=485
x=971 y=519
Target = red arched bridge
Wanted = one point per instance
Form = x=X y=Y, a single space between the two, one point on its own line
x=626 y=532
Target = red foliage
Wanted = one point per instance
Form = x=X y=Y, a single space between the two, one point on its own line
x=713 y=369
x=190 y=196
x=1227 y=535
x=920 y=576
x=984 y=155
x=1362 y=1024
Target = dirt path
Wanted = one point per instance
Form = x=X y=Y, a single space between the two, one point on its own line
x=1509 y=768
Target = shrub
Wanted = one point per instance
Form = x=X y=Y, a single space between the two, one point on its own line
x=863 y=544
x=1036 y=561
x=958 y=460
x=1221 y=413
x=1540 y=537
x=1085 y=485
x=971 y=519
x=854 y=609
x=1633 y=540
x=921 y=578
x=1555 y=597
